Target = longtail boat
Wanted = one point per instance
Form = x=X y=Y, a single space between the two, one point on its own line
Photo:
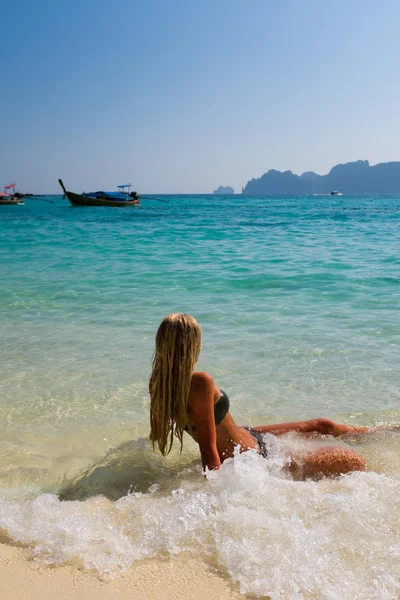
x=120 y=198
x=6 y=199
x=12 y=197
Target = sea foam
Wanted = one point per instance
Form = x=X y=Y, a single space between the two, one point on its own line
x=331 y=539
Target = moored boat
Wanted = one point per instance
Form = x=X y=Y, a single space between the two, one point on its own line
x=7 y=199
x=101 y=198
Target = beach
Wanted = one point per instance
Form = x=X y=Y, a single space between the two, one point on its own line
x=23 y=580
x=298 y=301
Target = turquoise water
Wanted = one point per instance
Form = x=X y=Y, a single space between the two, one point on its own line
x=298 y=301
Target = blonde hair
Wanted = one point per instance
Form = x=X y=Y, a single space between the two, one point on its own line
x=178 y=343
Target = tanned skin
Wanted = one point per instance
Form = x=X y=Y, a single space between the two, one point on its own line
x=218 y=442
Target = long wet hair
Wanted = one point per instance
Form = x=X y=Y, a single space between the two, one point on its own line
x=178 y=343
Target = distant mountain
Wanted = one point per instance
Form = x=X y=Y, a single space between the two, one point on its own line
x=224 y=190
x=350 y=178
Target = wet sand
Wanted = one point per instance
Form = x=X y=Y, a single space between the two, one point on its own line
x=23 y=579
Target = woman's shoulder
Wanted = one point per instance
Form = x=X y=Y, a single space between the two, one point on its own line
x=202 y=380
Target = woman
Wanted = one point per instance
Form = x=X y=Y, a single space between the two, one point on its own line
x=183 y=399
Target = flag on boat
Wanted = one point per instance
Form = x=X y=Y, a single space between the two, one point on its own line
x=11 y=185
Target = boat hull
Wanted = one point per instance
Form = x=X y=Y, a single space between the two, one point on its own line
x=79 y=200
x=10 y=201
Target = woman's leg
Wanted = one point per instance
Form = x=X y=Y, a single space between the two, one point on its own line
x=328 y=461
x=313 y=426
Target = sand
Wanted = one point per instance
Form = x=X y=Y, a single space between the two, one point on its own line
x=22 y=579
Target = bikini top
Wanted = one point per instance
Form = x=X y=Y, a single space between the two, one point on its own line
x=221 y=409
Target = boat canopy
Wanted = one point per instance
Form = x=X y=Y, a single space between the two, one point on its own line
x=111 y=195
x=125 y=185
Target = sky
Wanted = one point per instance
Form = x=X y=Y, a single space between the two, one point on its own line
x=181 y=96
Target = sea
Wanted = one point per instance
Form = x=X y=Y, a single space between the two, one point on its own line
x=298 y=299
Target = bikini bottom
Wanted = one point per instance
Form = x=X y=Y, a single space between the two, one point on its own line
x=260 y=441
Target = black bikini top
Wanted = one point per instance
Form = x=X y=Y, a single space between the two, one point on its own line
x=221 y=409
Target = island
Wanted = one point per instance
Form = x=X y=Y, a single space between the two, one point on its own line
x=357 y=177
x=224 y=190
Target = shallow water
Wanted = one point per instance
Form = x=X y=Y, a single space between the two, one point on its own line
x=298 y=300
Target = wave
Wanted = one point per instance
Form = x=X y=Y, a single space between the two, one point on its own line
x=336 y=538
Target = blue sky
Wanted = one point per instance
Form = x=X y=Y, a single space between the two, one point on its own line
x=183 y=96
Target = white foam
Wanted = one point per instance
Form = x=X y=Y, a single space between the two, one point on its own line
x=332 y=539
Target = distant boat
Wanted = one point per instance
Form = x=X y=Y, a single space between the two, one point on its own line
x=120 y=198
x=13 y=197
x=6 y=199
x=335 y=193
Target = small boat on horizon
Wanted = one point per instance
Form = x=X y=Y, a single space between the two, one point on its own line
x=13 y=198
x=100 y=198
x=7 y=199
x=335 y=193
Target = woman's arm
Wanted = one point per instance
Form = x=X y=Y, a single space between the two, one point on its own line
x=317 y=426
x=202 y=414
